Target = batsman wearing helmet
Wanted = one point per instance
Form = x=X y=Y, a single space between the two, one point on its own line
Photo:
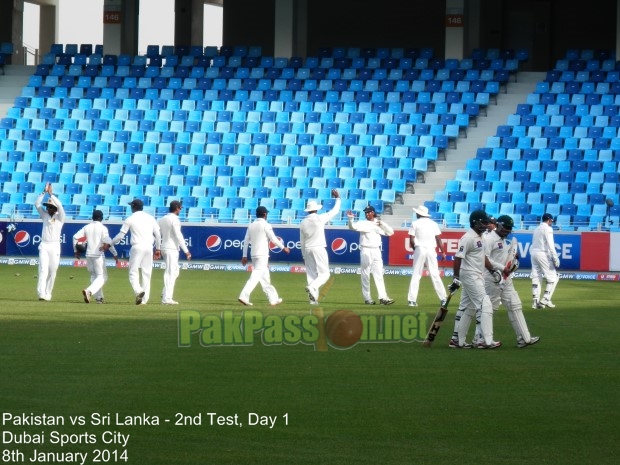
x=500 y=253
x=470 y=262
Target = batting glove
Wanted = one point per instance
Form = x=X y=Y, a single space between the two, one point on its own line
x=497 y=276
x=456 y=284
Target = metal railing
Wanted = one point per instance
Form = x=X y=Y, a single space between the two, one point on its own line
x=30 y=55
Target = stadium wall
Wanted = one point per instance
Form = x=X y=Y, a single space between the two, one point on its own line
x=578 y=251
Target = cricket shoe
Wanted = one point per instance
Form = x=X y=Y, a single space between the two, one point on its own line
x=370 y=302
x=386 y=301
x=492 y=345
x=546 y=303
x=522 y=344
x=454 y=344
x=535 y=304
x=169 y=302
x=412 y=303
x=276 y=302
x=139 y=297
x=313 y=294
x=100 y=301
x=87 y=294
x=245 y=302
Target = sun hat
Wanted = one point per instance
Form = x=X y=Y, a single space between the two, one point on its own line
x=313 y=206
x=421 y=210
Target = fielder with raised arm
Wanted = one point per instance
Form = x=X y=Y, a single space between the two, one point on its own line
x=313 y=243
x=497 y=251
x=53 y=216
x=545 y=261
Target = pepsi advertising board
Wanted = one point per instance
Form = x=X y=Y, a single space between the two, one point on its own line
x=205 y=242
x=226 y=244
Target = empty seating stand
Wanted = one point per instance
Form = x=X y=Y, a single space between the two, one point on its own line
x=557 y=153
x=179 y=122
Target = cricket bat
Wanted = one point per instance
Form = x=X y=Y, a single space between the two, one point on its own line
x=437 y=322
x=511 y=265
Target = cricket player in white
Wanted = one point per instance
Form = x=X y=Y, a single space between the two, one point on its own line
x=145 y=233
x=312 y=238
x=371 y=261
x=424 y=239
x=497 y=249
x=53 y=216
x=96 y=235
x=545 y=260
x=171 y=241
x=470 y=262
x=258 y=236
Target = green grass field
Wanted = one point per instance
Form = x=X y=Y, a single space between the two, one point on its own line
x=375 y=403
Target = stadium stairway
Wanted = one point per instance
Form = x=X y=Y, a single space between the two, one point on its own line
x=11 y=85
x=477 y=134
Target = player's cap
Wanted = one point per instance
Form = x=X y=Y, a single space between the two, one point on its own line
x=370 y=208
x=136 y=204
x=261 y=211
x=51 y=203
x=547 y=217
x=313 y=206
x=97 y=215
x=174 y=205
x=421 y=211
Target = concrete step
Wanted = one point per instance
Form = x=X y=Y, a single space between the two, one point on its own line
x=11 y=84
x=477 y=135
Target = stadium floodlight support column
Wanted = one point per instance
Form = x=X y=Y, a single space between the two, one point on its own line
x=120 y=26
x=455 y=27
x=47 y=29
x=11 y=27
x=290 y=34
x=188 y=22
x=617 y=27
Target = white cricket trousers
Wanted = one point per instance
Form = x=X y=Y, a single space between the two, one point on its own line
x=317 y=266
x=507 y=294
x=371 y=263
x=260 y=274
x=171 y=272
x=140 y=270
x=543 y=268
x=49 y=259
x=424 y=256
x=98 y=275
x=475 y=301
